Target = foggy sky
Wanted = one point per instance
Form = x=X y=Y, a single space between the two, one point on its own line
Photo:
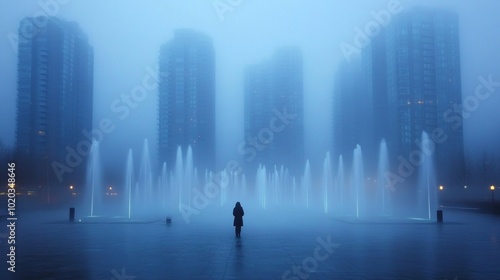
x=127 y=35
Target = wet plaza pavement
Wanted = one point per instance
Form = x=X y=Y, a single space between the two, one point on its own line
x=466 y=246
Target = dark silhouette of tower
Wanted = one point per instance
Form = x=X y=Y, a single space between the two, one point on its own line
x=54 y=99
x=187 y=98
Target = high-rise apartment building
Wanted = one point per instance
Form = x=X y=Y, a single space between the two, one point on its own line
x=274 y=114
x=55 y=97
x=187 y=98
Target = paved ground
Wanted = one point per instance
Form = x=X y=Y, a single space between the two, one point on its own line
x=466 y=247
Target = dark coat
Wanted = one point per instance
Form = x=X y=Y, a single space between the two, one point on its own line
x=238 y=214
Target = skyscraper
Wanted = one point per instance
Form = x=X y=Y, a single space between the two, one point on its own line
x=402 y=85
x=274 y=93
x=353 y=117
x=423 y=82
x=186 y=114
x=55 y=95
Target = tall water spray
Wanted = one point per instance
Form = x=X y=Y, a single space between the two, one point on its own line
x=306 y=182
x=94 y=187
x=287 y=185
x=358 y=178
x=179 y=176
x=164 y=184
x=224 y=182
x=340 y=181
x=276 y=182
x=129 y=173
x=188 y=175
x=174 y=187
x=261 y=182
x=427 y=179
x=135 y=199
x=327 y=180
x=383 y=168
x=234 y=181
x=145 y=176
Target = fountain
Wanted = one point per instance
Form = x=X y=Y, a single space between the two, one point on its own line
x=145 y=177
x=327 y=181
x=223 y=187
x=178 y=178
x=129 y=173
x=358 y=179
x=382 y=184
x=188 y=179
x=163 y=185
x=276 y=183
x=94 y=188
x=306 y=182
x=427 y=190
x=261 y=183
x=352 y=196
x=340 y=183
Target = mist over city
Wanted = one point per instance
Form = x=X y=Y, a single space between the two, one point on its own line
x=246 y=34
x=324 y=119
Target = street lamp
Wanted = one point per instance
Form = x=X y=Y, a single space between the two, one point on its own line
x=71 y=187
x=441 y=188
x=492 y=188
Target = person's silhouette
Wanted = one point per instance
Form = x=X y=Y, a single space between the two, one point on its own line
x=238 y=214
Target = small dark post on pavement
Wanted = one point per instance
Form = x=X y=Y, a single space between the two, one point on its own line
x=439 y=216
x=72 y=214
x=169 y=220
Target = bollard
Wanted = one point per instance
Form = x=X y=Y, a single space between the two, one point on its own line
x=169 y=220
x=71 y=214
x=439 y=216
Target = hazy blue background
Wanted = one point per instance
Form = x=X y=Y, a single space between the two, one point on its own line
x=127 y=35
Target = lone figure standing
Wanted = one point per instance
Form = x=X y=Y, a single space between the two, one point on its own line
x=238 y=214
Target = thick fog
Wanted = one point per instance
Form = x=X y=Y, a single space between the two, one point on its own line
x=127 y=35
